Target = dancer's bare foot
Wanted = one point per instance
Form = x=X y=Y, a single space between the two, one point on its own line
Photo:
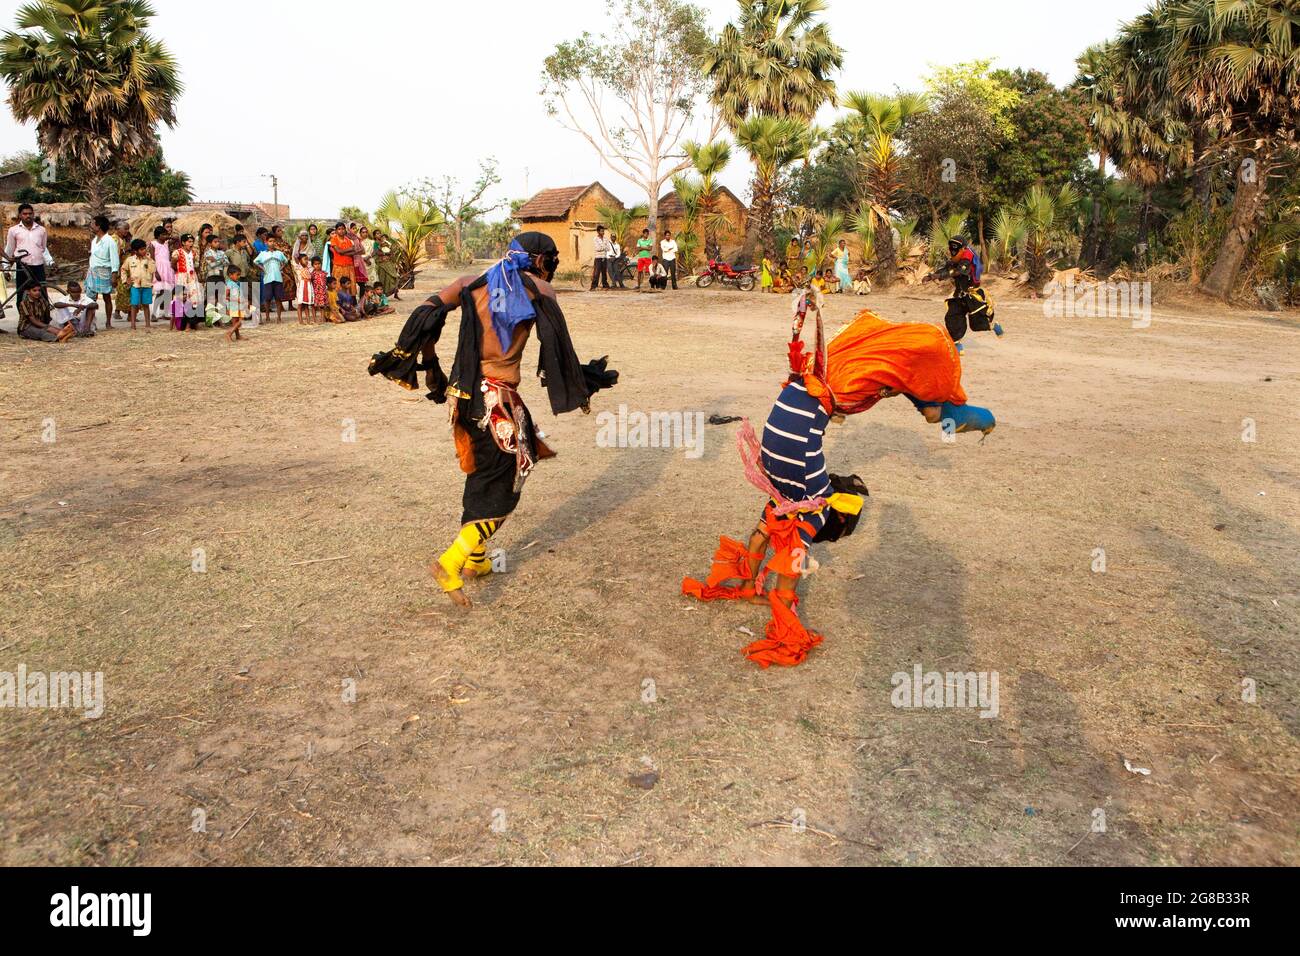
x=449 y=585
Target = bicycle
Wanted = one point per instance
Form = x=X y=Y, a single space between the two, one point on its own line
x=15 y=264
x=628 y=272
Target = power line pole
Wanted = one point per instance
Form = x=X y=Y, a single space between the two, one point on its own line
x=275 y=187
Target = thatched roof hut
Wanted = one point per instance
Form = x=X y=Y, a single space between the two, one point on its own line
x=142 y=226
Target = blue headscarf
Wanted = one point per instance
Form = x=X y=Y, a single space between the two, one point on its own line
x=507 y=298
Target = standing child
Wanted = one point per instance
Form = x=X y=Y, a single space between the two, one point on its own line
x=332 y=311
x=236 y=302
x=305 y=289
x=272 y=261
x=141 y=274
x=319 y=290
x=215 y=264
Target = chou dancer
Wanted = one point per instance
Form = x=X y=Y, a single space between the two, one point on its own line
x=868 y=361
x=969 y=306
x=497 y=443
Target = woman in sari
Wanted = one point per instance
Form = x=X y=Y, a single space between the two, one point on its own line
x=341 y=250
x=315 y=242
x=842 y=267
x=386 y=265
x=302 y=245
x=360 y=264
x=122 y=301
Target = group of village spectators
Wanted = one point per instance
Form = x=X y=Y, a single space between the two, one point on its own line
x=188 y=281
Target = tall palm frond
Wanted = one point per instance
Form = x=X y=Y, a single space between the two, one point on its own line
x=95 y=82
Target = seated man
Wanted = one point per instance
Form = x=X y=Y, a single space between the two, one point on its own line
x=34 y=318
x=862 y=283
x=77 y=310
x=658 y=275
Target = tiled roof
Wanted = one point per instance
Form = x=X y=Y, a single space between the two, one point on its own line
x=551 y=203
x=670 y=204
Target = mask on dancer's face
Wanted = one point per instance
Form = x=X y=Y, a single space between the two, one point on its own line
x=547 y=264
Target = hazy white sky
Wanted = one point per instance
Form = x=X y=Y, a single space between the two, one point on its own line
x=443 y=84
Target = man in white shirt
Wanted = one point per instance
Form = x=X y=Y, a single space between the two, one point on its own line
x=600 y=267
x=76 y=309
x=668 y=255
x=28 y=236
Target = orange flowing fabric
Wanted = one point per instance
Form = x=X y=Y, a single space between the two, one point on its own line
x=731 y=563
x=870 y=354
x=787 y=642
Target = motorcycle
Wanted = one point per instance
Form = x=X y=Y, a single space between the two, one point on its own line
x=742 y=279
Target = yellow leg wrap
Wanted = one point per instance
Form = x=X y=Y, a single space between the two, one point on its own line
x=467 y=552
x=478 y=563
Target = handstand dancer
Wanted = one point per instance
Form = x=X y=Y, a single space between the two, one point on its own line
x=869 y=360
x=969 y=303
x=496 y=440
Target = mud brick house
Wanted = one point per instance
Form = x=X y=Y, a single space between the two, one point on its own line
x=731 y=237
x=569 y=215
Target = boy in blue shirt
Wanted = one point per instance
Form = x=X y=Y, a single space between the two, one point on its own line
x=272 y=262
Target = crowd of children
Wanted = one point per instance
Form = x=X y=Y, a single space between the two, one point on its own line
x=187 y=281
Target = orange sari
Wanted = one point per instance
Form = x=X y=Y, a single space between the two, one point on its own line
x=341 y=251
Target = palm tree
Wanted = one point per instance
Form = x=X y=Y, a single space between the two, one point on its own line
x=94 y=81
x=1235 y=66
x=772 y=143
x=1008 y=236
x=411 y=222
x=879 y=119
x=776 y=59
x=620 y=219
x=1044 y=216
x=824 y=241
x=709 y=161
x=950 y=227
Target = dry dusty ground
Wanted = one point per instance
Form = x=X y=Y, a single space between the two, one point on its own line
x=224 y=688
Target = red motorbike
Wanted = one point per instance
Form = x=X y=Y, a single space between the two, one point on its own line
x=742 y=279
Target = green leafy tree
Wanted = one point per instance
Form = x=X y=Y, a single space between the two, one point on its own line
x=1234 y=68
x=775 y=59
x=1048 y=145
x=148 y=182
x=460 y=206
x=94 y=81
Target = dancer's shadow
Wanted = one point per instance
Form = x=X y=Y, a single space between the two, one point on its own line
x=1233 y=607
x=940 y=785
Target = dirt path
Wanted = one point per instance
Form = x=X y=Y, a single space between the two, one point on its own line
x=510 y=734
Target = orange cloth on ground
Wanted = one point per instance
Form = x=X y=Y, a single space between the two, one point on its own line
x=732 y=562
x=787 y=642
x=870 y=354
